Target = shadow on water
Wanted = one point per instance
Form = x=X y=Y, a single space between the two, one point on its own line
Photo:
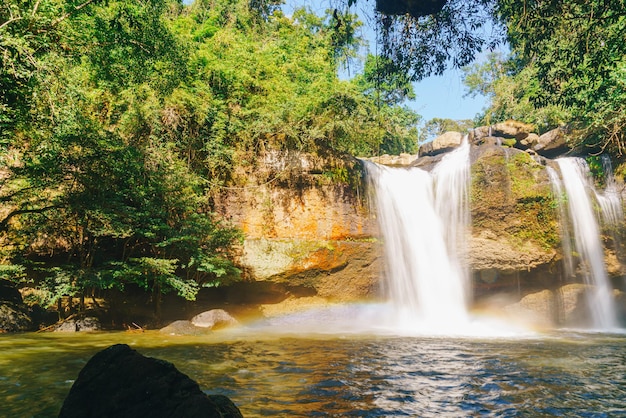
x=566 y=373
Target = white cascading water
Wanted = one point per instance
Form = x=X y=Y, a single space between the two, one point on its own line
x=586 y=239
x=610 y=200
x=424 y=218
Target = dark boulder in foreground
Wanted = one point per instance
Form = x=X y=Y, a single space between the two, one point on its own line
x=119 y=382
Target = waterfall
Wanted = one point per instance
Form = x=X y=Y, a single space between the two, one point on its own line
x=586 y=237
x=424 y=219
x=610 y=200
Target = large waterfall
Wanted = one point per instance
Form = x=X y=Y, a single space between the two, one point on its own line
x=577 y=190
x=424 y=219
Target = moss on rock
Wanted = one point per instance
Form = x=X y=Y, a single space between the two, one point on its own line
x=512 y=199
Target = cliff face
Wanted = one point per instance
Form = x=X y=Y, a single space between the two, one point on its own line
x=307 y=227
x=309 y=230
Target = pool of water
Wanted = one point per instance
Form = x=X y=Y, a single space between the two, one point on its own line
x=566 y=373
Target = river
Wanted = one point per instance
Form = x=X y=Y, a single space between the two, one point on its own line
x=565 y=373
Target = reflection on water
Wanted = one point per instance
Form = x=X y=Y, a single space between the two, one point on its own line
x=568 y=374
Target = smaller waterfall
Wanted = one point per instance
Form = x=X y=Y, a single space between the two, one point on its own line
x=610 y=200
x=424 y=219
x=586 y=238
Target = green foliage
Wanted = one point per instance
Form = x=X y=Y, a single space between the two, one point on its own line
x=576 y=53
x=121 y=119
x=427 y=45
x=387 y=86
x=512 y=91
x=12 y=272
x=384 y=81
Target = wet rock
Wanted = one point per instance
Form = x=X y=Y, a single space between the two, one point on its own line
x=119 y=382
x=574 y=310
x=86 y=324
x=339 y=270
x=504 y=254
x=182 y=328
x=394 y=160
x=514 y=228
x=539 y=308
x=213 y=319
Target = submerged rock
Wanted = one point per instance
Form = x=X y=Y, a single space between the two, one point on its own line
x=119 y=382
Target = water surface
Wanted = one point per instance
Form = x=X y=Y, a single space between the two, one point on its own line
x=565 y=374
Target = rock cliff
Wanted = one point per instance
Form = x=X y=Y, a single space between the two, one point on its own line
x=310 y=232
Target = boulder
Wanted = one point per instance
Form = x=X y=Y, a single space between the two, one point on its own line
x=213 y=319
x=476 y=134
x=120 y=382
x=488 y=140
x=512 y=129
x=529 y=142
x=426 y=149
x=183 y=328
x=14 y=317
x=540 y=308
x=448 y=140
x=509 y=129
x=14 y=314
x=403 y=159
x=443 y=143
x=86 y=324
x=552 y=143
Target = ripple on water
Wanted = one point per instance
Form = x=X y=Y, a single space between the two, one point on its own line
x=365 y=376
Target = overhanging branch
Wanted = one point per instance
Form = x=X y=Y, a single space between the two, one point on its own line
x=4 y=224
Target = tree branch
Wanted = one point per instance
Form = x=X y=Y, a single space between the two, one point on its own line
x=68 y=14
x=13 y=19
x=35 y=8
x=4 y=224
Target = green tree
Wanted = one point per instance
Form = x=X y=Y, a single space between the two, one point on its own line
x=512 y=89
x=388 y=87
x=578 y=52
x=93 y=173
